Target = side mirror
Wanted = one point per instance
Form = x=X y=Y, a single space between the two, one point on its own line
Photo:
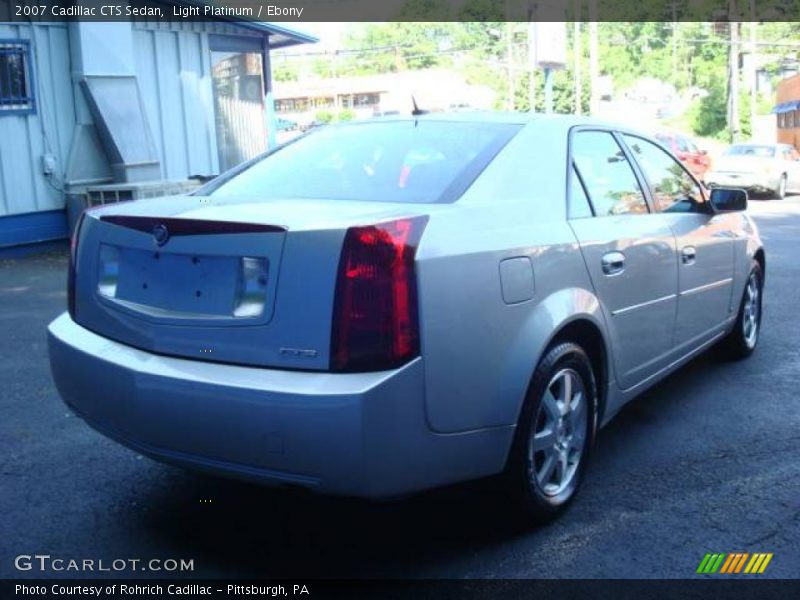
x=728 y=200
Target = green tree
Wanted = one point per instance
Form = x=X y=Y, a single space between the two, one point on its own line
x=324 y=116
x=284 y=71
x=563 y=92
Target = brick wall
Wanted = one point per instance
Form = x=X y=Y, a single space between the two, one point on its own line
x=789 y=89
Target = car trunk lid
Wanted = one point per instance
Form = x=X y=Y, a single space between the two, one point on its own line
x=742 y=164
x=230 y=280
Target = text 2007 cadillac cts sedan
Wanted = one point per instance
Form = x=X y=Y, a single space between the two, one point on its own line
x=388 y=306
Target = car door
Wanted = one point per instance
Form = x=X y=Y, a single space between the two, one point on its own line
x=630 y=254
x=705 y=243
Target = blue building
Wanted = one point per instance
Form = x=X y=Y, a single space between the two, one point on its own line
x=96 y=112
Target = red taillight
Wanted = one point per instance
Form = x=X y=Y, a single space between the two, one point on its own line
x=375 y=323
x=73 y=251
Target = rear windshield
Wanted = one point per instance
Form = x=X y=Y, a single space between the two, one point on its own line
x=747 y=150
x=394 y=161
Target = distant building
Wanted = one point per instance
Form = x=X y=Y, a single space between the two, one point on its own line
x=368 y=95
x=787 y=111
x=122 y=110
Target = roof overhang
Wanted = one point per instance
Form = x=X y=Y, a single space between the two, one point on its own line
x=785 y=107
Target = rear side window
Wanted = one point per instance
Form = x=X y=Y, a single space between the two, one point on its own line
x=395 y=161
x=750 y=150
x=672 y=188
x=666 y=140
x=610 y=182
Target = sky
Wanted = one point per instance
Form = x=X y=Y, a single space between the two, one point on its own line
x=328 y=33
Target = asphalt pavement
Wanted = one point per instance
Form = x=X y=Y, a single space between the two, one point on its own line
x=707 y=461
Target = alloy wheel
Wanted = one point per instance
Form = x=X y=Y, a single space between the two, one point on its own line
x=558 y=443
x=752 y=311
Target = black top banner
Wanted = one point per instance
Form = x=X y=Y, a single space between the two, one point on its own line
x=299 y=11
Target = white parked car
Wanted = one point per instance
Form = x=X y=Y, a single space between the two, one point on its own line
x=772 y=168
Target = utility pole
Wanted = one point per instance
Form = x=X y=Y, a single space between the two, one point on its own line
x=733 y=77
x=577 y=51
x=594 y=70
x=510 y=65
x=548 y=89
x=674 y=43
x=753 y=69
x=398 y=59
x=531 y=62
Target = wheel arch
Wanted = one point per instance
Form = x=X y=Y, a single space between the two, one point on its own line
x=760 y=256
x=585 y=329
x=587 y=334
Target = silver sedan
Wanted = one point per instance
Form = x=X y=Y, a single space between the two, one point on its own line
x=381 y=307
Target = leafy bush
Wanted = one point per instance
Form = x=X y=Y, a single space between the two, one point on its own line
x=346 y=115
x=563 y=92
x=708 y=116
x=323 y=116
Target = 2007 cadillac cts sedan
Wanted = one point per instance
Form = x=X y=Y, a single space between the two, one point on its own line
x=391 y=305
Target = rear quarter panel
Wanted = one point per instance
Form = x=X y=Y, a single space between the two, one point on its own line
x=479 y=351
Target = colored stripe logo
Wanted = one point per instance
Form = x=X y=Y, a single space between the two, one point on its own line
x=734 y=563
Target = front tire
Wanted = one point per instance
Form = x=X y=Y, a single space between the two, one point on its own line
x=555 y=434
x=742 y=341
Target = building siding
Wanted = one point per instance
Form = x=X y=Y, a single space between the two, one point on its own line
x=23 y=186
x=174 y=73
x=173 y=67
x=788 y=90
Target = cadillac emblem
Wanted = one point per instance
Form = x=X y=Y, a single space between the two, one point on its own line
x=160 y=234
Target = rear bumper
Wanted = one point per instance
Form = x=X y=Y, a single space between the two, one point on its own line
x=362 y=434
x=747 y=181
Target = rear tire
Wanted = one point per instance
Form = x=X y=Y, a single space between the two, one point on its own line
x=742 y=341
x=555 y=434
x=780 y=191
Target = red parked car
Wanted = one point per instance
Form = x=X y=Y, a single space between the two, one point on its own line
x=696 y=160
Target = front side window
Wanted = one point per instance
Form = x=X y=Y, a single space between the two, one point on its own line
x=16 y=91
x=609 y=178
x=395 y=161
x=672 y=188
x=579 y=206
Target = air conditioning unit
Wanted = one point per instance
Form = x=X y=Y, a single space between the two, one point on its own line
x=98 y=195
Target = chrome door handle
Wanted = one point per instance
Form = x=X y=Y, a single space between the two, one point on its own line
x=613 y=263
x=688 y=254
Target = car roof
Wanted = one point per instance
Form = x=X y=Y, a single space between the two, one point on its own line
x=521 y=118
